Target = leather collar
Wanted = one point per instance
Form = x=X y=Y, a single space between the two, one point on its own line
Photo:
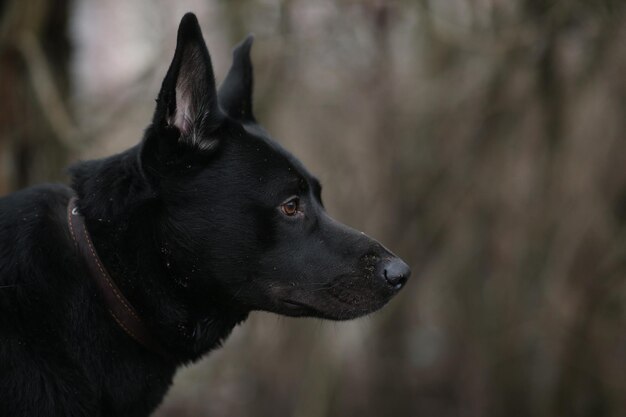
x=119 y=307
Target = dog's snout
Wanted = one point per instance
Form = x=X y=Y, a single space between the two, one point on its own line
x=396 y=272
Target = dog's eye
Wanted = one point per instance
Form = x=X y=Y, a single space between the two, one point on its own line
x=290 y=208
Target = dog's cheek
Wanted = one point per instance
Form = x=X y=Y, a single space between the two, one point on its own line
x=265 y=228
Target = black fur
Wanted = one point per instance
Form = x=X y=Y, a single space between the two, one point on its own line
x=194 y=225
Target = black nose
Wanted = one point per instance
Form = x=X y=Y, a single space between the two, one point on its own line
x=396 y=272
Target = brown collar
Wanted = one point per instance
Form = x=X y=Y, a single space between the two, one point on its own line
x=119 y=307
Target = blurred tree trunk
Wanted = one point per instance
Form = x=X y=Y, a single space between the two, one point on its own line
x=35 y=130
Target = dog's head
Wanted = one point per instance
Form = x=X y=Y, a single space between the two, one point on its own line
x=241 y=217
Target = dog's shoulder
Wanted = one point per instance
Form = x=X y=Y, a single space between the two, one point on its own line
x=24 y=210
x=32 y=225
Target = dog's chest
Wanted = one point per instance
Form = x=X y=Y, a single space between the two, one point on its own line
x=134 y=389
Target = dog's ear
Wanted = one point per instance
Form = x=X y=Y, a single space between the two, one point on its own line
x=235 y=93
x=187 y=101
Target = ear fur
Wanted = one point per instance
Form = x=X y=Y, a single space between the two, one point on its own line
x=235 y=94
x=188 y=99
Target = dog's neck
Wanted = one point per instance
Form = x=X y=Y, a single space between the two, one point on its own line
x=120 y=213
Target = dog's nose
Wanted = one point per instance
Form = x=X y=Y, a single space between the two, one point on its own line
x=396 y=272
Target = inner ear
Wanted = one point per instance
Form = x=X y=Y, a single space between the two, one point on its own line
x=192 y=106
x=188 y=99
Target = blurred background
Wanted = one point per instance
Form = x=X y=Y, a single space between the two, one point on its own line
x=481 y=140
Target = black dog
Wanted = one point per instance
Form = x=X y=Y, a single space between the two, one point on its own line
x=204 y=221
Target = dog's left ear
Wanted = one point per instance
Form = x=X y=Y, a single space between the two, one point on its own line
x=235 y=93
x=188 y=99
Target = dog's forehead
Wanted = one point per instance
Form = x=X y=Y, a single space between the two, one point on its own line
x=258 y=133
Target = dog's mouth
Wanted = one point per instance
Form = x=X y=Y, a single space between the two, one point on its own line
x=333 y=306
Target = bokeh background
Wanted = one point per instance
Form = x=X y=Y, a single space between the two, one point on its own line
x=482 y=140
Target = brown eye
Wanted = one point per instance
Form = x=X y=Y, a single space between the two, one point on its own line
x=290 y=208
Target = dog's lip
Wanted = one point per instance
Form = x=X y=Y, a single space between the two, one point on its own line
x=295 y=304
x=298 y=307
